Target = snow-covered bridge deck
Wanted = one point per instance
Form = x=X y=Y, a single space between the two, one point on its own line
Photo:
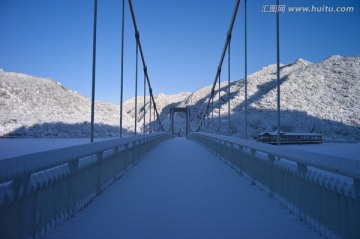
x=181 y=190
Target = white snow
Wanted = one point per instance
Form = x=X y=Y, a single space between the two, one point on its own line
x=41 y=107
x=343 y=150
x=315 y=97
x=178 y=193
x=21 y=146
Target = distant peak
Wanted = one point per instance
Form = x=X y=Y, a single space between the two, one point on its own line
x=161 y=95
x=335 y=57
x=302 y=61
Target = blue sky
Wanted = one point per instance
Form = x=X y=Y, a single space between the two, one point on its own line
x=182 y=40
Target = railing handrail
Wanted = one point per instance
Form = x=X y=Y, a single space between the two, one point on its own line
x=328 y=202
x=340 y=165
x=15 y=167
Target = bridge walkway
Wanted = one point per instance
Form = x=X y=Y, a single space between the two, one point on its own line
x=181 y=190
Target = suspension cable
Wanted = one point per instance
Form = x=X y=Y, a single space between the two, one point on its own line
x=150 y=113
x=93 y=76
x=154 y=122
x=223 y=54
x=144 y=108
x=229 y=93
x=144 y=64
x=136 y=77
x=208 y=118
x=212 y=112
x=246 y=93
x=122 y=67
x=278 y=69
x=219 y=103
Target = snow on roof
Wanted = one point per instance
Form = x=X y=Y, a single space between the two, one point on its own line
x=288 y=133
x=271 y=132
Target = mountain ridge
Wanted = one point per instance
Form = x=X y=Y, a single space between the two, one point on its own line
x=317 y=97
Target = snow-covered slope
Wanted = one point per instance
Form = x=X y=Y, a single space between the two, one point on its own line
x=320 y=97
x=163 y=104
x=34 y=106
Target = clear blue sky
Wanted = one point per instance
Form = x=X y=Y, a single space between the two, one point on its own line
x=182 y=40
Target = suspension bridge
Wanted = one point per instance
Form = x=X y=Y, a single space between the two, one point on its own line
x=152 y=185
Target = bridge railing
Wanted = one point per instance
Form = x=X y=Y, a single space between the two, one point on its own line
x=39 y=191
x=323 y=190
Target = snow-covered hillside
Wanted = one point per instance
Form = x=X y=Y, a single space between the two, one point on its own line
x=321 y=97
x=38 y=107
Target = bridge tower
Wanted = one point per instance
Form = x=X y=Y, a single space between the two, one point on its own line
x=185 y=110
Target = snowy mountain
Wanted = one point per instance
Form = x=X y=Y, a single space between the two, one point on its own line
x=38 y=107
x=315 y=97
x=321 y=97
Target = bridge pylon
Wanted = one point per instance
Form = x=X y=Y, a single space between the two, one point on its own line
x=185 y=110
